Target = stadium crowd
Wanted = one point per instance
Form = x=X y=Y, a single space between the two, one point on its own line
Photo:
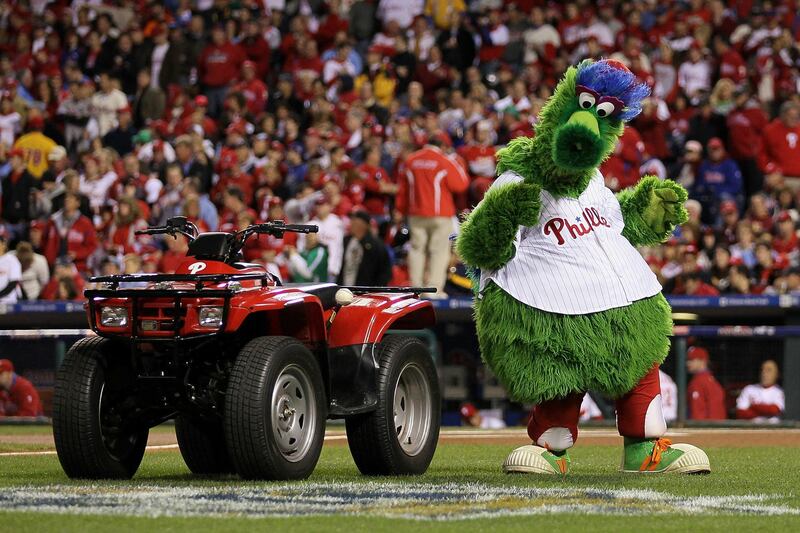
x=115 y=115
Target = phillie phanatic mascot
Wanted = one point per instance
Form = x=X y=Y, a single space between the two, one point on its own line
x=565 y=302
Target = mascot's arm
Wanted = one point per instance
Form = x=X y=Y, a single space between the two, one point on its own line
x=651 y=210
x=486 y=240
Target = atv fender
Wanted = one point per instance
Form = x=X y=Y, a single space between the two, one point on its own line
x=354 y=345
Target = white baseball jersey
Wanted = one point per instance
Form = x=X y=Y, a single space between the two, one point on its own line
x=10 y=270
x=757 y=394
x=669 y=396
x=575 y=260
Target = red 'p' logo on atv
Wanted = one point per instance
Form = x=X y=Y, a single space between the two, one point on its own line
x=194 y=268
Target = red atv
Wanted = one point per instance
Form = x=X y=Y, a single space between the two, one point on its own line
x=249 y=368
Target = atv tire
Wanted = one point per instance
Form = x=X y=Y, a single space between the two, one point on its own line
x=275 y=410
x=202 y=445
x=400 y=436
x=87 y=446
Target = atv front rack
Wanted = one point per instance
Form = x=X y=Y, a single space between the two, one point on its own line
x=393 y=290
x=198 y=279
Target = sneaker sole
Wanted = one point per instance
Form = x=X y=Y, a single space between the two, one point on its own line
x=526 y=462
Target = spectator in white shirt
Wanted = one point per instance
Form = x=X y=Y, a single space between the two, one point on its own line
x=338 y=65
x=35 y=272
x=694 y=75
x=669 y=396
x=401 y=11
x=106 y=103
x=763 y=401
x=10 y=273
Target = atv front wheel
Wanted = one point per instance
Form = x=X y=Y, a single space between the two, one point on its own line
x=92 y=438
x=275 y=410
x=400 y=436
x=202 y=445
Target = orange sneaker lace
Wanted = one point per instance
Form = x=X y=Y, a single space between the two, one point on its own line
x=650 y=462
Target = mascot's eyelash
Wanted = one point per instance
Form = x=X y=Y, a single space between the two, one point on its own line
x=618 y=104
x=584 y=89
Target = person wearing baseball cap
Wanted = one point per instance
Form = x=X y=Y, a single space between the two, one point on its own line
x=472 y=417
x=705 y=396
x=366 y=260
x=718 y=176
x=18 y=396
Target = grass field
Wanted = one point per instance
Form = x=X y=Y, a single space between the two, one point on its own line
x=754 y=486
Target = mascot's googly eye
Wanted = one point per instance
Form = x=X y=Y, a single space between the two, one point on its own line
x=586 y=100
x=605 y=109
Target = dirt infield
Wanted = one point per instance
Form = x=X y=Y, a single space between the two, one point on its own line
x=164 y=438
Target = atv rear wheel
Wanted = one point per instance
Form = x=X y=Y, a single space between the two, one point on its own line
x=91 y=436
x=275 y=410
x=400 y=436
x=202 y=445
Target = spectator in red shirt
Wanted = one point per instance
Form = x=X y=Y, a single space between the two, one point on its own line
x=175 y=254
x=253 y=89
x=66 y=282
x=428 y=180
x=481 y=158
x=695 y=286
x=218 y=66
x=70 y=233
x=746 y=122
x=621 y=169
x=731 y=64
x=785 y=241
x=378 y=185
x=706 y=397
x=18 y=396
x=782 y=140
x=127 y=221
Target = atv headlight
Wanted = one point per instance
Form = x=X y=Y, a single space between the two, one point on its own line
x=114 y=317
x=210 y=317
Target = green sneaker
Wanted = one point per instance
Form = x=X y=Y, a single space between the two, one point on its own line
x=532 y=459
x=661 y=456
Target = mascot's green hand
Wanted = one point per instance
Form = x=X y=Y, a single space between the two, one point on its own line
x=665 y=208
x=486 y=240
x=523 y=203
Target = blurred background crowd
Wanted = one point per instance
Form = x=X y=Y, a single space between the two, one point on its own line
x=115 y=115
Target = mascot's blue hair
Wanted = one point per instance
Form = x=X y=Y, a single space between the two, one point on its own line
x=612 y=78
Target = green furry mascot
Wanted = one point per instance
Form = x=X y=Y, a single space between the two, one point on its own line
x=566 y=303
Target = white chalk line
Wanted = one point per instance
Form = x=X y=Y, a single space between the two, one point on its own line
x=390 y=499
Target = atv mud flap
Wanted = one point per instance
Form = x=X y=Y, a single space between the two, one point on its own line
x=353 y=372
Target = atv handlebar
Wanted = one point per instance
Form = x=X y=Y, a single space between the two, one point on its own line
x=279 y=227
x=174 y=225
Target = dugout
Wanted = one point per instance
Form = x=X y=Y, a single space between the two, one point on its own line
x=739 y=331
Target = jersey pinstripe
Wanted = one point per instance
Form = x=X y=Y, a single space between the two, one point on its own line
x=575 y=260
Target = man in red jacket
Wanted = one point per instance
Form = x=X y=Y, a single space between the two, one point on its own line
x=18 y=396
x=219 y=64
x=782 y=140
x=705 y=395
x=70 y=233
x=427 y=181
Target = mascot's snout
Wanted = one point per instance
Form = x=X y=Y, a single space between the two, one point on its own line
x=578 y=144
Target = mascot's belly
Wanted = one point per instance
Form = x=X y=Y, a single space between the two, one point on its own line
x=540 y=355
x=575 y=260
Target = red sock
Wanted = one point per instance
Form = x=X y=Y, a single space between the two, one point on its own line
x=559 y=415
x=639 y=412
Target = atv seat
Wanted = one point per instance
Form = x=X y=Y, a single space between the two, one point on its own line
x=326 y=292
